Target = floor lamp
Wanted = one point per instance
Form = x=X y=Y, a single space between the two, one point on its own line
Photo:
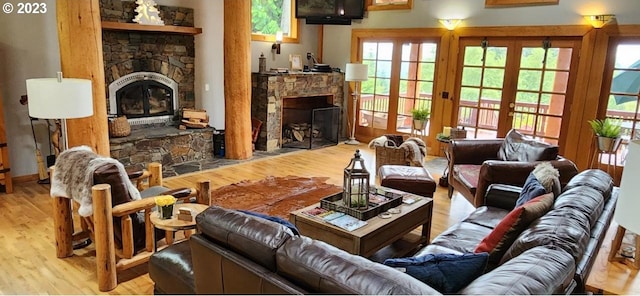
x=60 y=98
x=356 y=73
x=626 y=213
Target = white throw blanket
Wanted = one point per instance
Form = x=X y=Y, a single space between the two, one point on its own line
x=416 y=151
x=73 y=176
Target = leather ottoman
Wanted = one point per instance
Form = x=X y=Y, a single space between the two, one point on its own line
x=416 y=180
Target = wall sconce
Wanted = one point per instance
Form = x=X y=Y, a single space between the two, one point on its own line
x=598 y=21
x=276 y=45
x=450 y=24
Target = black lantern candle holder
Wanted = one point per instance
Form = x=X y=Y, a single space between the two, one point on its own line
x=356 y=184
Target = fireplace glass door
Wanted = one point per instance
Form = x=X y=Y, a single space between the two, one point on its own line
x=145 y=98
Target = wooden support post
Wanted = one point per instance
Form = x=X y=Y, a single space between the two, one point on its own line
x=204 y=193
x=63 y=226
x=103 y=233
x=237 y=78
x=156 y=174
x=80 y=38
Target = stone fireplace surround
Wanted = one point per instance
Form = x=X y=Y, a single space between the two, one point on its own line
x=270 y=89
x=172 y=55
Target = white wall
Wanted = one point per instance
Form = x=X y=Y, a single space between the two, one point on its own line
x=308 y=37
x=425 y=14
x=28 y=49
x=209 y=65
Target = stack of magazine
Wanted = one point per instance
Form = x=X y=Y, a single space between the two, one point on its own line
x=341 y=220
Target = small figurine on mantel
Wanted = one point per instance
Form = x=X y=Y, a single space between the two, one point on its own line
x=147 y=13
x=262 y=63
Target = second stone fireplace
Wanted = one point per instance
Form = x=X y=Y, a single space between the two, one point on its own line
x=293 y=102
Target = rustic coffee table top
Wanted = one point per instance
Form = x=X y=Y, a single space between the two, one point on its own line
x=377 y=234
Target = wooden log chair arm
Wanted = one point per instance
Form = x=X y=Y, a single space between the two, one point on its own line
x=109 y=258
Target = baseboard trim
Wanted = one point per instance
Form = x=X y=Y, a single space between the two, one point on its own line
x=25 y=178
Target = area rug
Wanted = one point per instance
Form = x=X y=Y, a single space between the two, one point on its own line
x=275 y=196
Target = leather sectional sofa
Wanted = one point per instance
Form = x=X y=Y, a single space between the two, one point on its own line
x=237 y=253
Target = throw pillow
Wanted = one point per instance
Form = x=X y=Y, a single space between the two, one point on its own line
x=531 y=189
x=447 y=273
x=518 y=147
x=505 y=233
x=278 y=220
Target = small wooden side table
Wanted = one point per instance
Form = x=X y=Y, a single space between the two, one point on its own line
x=444 y=147
x=172 y=225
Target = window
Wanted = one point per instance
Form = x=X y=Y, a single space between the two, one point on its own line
x=624 y=92
x=530 y=93
x=389 y=4
x=397 y=84
x=271 y=16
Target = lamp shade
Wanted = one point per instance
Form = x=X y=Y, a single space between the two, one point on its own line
x=52 y=98
x=356 y=72
x=626 y=214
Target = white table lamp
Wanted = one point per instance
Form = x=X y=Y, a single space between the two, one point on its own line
x=626 y=213
x=60 y=98
x=356 y=73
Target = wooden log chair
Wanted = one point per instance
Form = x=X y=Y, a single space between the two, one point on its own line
x=121 y=228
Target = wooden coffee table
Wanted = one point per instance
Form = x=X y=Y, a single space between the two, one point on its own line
x=377 y=234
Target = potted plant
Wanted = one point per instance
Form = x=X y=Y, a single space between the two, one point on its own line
x=420 y=118
x=608 y=134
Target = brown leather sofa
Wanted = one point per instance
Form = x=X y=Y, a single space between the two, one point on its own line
x=237 y=253
x=475 y=164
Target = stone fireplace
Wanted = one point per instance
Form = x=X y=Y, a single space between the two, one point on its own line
x=280 y=99
x=163 y=63
x=150 y=78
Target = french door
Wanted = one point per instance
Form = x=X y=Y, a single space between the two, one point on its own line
x=401 y=78
x=524 y=84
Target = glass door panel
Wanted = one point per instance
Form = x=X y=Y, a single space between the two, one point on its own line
x=482 y=80
x=417 y=72
x=541 y=90
x=624 y=94
x=374 y=99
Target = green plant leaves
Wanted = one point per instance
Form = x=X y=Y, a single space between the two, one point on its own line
x=608 y=127
x=420 y=114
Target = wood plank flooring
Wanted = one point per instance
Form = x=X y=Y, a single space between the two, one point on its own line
x=27 y=248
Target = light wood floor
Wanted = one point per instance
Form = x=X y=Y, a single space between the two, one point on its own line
x=27 y=249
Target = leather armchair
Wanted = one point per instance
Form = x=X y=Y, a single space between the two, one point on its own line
x=475 y=164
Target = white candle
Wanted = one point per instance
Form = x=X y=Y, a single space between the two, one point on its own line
x=446 y=131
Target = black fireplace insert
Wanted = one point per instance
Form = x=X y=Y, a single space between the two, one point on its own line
x=144 y=98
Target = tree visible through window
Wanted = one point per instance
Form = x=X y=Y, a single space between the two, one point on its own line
x=270 y=16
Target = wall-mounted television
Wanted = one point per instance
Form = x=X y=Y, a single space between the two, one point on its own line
x=329 y=11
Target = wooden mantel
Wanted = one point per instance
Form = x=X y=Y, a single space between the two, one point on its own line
x=116 y=26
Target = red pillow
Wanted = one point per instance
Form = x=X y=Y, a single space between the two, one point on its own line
x=505 y=233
